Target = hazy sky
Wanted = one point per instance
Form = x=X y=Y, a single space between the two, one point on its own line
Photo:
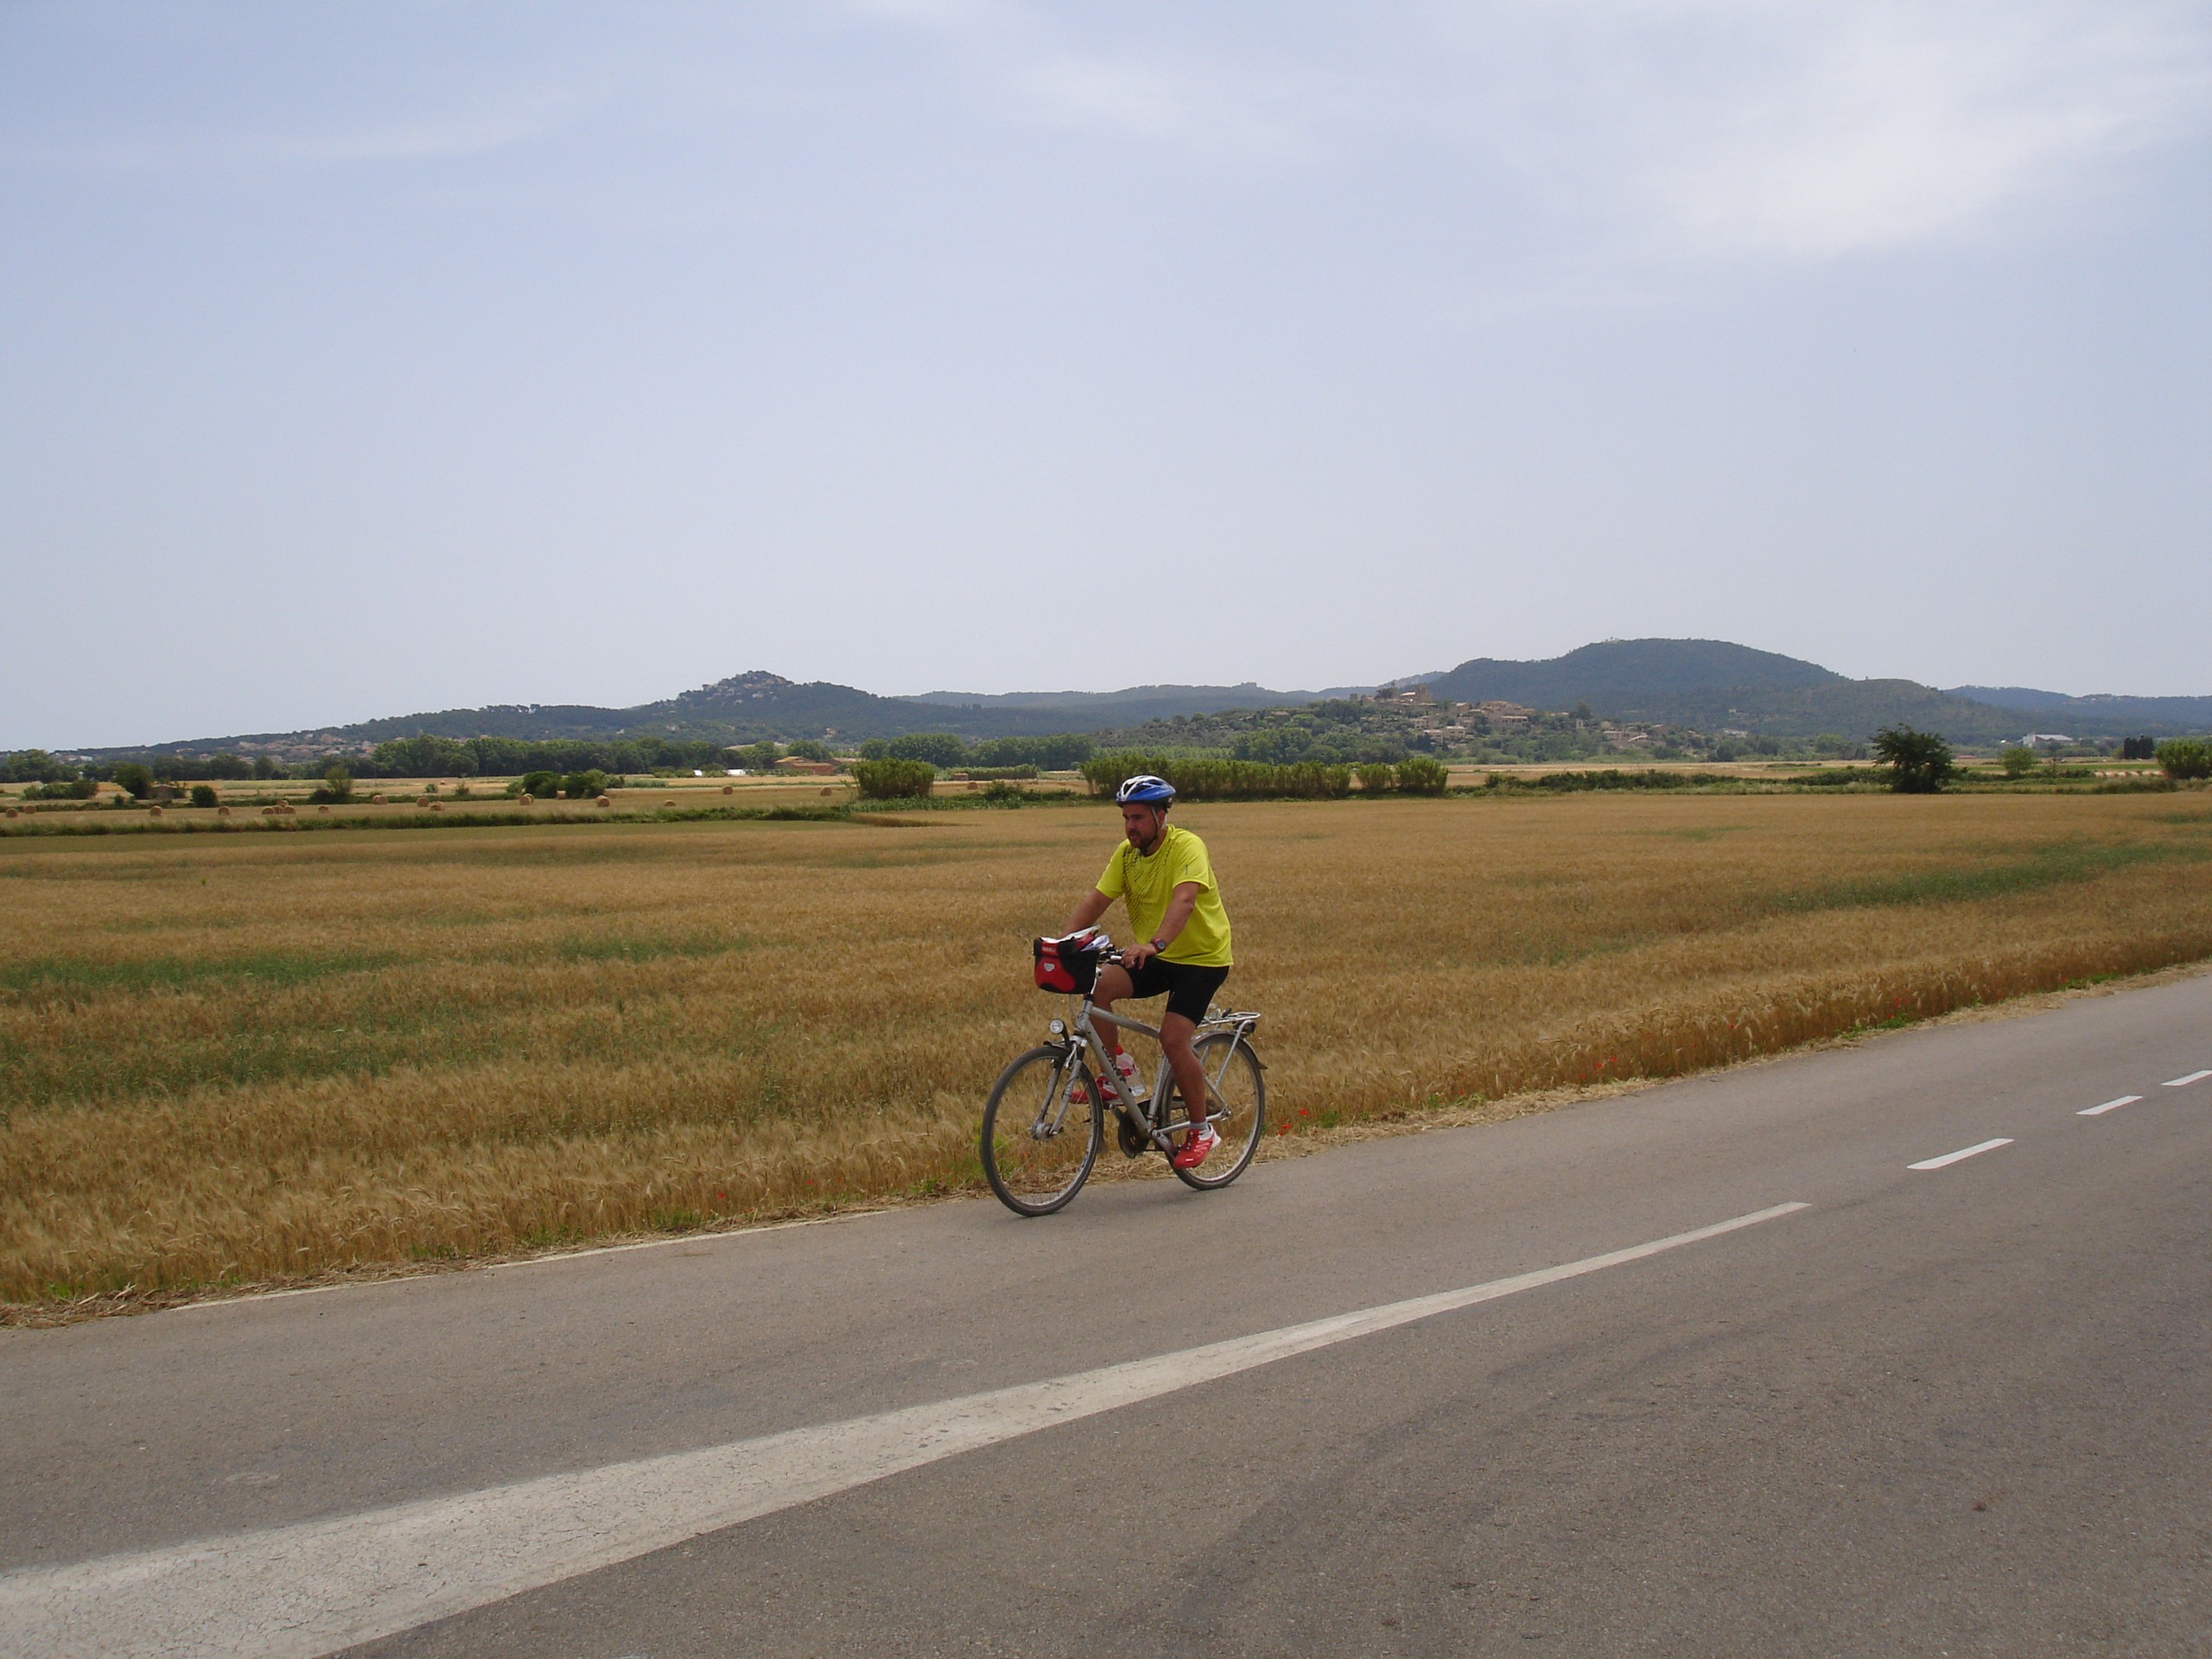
x=360 y=358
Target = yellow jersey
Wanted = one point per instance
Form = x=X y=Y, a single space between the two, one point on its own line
x=1147 y=883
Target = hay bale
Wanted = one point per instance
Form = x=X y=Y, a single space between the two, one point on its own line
x=424 y=800
x=828 y=792
x=324 y=810
x=222 y=811
x=438 y=806
x=376 y=800
x=602 y=801
x=729 y=789
x=527 y=800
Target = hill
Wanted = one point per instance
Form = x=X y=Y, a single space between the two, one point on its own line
x=1713 y=686
x=2100 y=713
x=1706 y=685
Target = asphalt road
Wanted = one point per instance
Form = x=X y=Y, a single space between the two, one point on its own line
x=1962 y=1409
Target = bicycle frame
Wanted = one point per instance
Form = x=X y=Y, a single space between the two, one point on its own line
x=1083 y=1034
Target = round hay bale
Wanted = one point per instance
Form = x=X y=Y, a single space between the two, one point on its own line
x=376 y=800
x=602 y=801
x=222 y=811
x=424 y=800
x=828 y=792
x=729 y=789
x=668 y=803
x=438 y=806
x=153 y=811
x=324 y=810
x=527 y=800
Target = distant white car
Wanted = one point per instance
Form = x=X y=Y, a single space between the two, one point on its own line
x=737 y=772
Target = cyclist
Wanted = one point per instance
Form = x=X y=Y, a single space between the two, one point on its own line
x=1163 y=875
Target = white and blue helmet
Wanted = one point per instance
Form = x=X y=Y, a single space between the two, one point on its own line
x=1146 y=788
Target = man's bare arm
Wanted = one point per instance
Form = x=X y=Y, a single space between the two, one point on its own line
x=1095 y=904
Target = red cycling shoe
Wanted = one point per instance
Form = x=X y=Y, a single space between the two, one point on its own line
x=1196 y=1145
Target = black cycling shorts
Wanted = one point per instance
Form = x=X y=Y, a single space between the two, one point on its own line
x=1190 y=987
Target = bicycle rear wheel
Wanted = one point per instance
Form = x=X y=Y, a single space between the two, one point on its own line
x=1238 y=1110
x=1038 y=1141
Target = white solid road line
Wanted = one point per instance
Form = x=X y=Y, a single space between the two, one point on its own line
x=296 y=1591
x=2110 y=1105
x=2183 y=1083
x=1963 y=1152
x=255 y=1298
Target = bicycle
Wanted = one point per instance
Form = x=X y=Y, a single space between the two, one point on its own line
x=1044 y=1122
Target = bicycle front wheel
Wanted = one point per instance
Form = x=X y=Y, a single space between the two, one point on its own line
x=1238 y=1110
x=1040 y=1139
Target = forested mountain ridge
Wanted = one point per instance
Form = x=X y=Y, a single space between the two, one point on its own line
x=1705 y=685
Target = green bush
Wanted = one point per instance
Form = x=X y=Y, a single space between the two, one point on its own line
x=1420 y=775
x=136 y=778
x=204 y=795
x=80 y=788
x=2184 y=758
x=1203 y=779
x=894 y=780
x=584 y=785
x=1376 y=780
x=538 y=785
x=2018 y=760
x=1919 y=762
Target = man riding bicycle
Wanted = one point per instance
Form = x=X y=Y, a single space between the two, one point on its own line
x=1166 y=879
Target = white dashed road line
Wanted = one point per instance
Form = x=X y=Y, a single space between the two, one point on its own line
x=2183 y=1083
x=1963 y=1152
x=311 y=1588
x=2109 y=1106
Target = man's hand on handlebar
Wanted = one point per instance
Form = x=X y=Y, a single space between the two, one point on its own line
x=1136 y=955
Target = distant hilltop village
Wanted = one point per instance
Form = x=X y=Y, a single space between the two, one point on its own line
x=1450 y=726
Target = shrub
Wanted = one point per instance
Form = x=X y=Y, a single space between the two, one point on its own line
x=544 y=785
x=1919 y=762
x=1199 y=779
x=583 y=786
x=808 y=748
x=2019 y=759
x=1420 y=775
x=894 y=780
x=134 y=778
x=204 y=795
x=991 y=774
x=337 y=785
x=81 y=789
x=1376 y=780
x=2183 y=757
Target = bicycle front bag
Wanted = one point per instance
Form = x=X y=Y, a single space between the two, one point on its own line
x=1070 y=964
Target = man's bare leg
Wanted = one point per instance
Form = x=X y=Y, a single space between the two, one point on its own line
x=1175 y=1034
x=1114 y=984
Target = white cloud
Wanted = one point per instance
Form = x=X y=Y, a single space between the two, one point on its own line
x=1753 y=128
x=1700 y=129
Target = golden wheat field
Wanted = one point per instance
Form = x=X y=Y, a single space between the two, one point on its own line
x=235 y=1059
